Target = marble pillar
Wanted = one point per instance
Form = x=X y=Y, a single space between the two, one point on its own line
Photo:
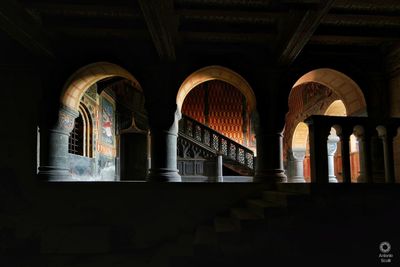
x=332 y=147
x=296 y=161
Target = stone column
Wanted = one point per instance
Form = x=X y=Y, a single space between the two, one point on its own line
x=220 y=177
x=345 y=150
x=377 y=159
x=164 y=155
x=54 y=162
x=364 y=154
x=318 y=133
x=332 y=147
x=387 y=140
x=161 y=81
x=269 y=166
x=296 y=161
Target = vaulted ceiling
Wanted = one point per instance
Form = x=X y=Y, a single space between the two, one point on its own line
x=168 y=27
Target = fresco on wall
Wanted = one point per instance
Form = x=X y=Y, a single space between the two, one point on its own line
x=107 y=122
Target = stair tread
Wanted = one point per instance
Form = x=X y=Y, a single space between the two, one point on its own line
x=224 y=224
x=281 y=193
x=244 y=214
x=265 y=204
x=299 y=188
x=205 y=234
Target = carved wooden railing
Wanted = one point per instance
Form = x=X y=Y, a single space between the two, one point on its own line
x=215 y=141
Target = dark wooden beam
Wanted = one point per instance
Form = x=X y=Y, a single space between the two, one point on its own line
x=351 y=40
x=228 y=37
x=22 y=27
x=361 y=20
x=162 y=26
x=212 y=14
x=84 y=10
x=87 y=33
x=385 y=6
x=297 y=31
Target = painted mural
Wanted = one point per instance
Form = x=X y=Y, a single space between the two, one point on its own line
x=107 y=122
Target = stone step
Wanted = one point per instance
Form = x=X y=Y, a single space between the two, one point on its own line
x=225 y=224
x=247 y=219
x=244 y=214
x=266 y=209
x=205 y=241
x=299 y=188
x=284 y=198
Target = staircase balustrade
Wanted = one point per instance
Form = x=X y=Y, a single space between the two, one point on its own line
x=216 y=142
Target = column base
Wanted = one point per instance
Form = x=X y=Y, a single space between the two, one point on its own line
x=273 y=176
x=296 y=179
x=52 y=174
x=332 y=179
x=164 y=175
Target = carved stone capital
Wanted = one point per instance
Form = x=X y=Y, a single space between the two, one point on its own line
x=66 y=119
x=297 y=153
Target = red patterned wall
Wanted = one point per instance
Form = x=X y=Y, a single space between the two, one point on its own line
x=193 y=106
x=225 y=107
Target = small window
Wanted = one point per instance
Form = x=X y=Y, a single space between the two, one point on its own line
x=76 y=137
x=81 y=139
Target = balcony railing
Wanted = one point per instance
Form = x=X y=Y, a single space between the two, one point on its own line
x=372 y=137
x=215 y=141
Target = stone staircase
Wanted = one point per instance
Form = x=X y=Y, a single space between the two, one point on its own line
x=299 y=225
x=246 y=234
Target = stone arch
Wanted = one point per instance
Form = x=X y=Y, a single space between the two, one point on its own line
x=336 y=108
x=55 y=164
x=216 y=73
x=300 y=136
x=341 y=84
x=88 y=75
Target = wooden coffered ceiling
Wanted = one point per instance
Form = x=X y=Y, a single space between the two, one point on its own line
x=283 y=27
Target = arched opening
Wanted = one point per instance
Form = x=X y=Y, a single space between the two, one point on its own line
x=81 y=137
x=217 y=129
x=102 y=106
x=321 y=92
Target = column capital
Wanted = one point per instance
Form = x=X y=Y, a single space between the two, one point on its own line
x=385 y=131
x=332 y=144
x=297 y=153
x=66 y=120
